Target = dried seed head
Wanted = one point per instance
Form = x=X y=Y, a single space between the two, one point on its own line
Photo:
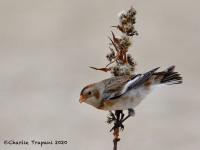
x=130 y=60
x=110 y=56
x=125 y=41
x=122 y=17
x=124 y=21
x=120 y=70
x=131 y=12
x=121 y=14
x=123 y=62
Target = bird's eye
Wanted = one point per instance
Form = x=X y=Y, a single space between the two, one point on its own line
x=89 y=93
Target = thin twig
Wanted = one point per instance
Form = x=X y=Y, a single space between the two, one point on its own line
x=116 y=138
x=116 y=131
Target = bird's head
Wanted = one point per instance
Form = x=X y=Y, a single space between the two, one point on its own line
x=90 y=95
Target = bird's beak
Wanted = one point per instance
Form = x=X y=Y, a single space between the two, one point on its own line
x=82 y=99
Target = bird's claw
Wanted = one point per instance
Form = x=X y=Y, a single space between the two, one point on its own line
x=118 y=125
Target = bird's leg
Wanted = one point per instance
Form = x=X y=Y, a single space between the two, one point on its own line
x=122 y=116
x=117 y=114
x=131 y=112
x=118 y=122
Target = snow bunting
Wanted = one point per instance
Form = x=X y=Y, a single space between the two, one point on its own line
x=126 y=92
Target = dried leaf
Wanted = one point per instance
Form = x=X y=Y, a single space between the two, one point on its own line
x=116 y=40
x=117 y=56
x=113 y=43
x=101 y=69
x=119 y=28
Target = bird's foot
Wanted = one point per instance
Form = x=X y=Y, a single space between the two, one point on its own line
x=118 y=118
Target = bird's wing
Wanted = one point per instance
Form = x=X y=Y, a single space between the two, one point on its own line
x=133 y=83
x=114 y=86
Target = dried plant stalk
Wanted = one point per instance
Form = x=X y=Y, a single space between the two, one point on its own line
x=116 y=138
x=121 y=63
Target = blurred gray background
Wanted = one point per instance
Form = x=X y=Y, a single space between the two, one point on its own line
x=45 y=50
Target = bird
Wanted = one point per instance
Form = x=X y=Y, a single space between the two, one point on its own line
x=127 y=91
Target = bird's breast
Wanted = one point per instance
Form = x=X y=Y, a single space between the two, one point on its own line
x=130 y=99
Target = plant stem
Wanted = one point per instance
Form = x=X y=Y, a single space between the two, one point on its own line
x=116 y=131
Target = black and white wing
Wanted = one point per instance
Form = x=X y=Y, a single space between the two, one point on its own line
x=133 y=83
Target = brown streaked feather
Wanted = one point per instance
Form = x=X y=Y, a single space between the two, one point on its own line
x=150 y=81
x=106 y=104
x=116 y=83
x=157 y=77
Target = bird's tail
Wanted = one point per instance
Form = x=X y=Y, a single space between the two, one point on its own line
x=170 y=77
